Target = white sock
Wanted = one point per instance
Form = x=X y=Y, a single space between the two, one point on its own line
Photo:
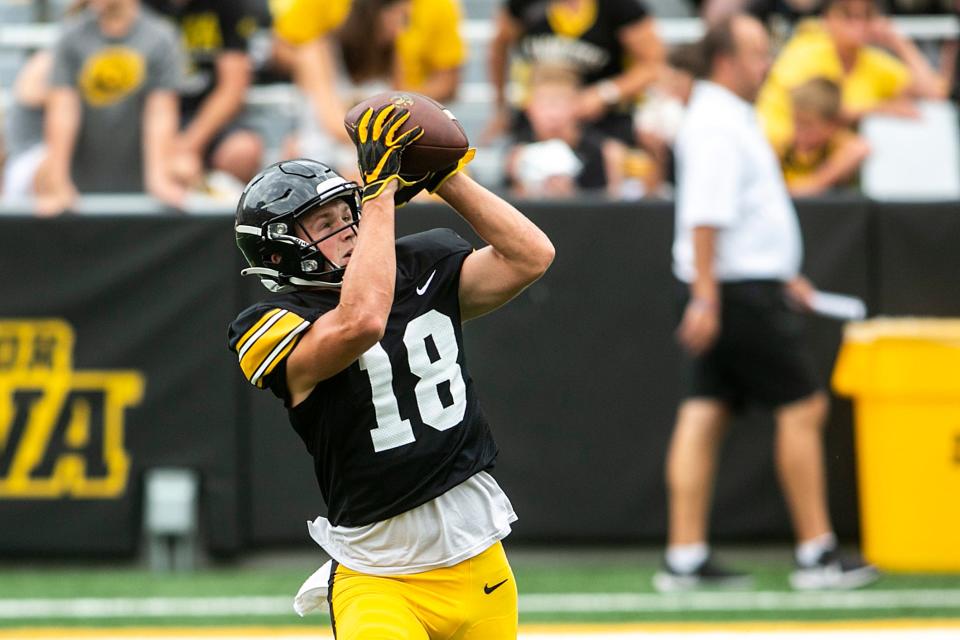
x=809 y=551
x=685 y=558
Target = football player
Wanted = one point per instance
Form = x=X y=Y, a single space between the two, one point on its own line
x=362 y=340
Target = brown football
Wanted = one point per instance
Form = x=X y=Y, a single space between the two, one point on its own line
x=443 y=141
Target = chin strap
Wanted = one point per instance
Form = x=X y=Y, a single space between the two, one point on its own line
x=273 y=281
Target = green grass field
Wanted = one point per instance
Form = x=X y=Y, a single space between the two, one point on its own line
x=571 y=586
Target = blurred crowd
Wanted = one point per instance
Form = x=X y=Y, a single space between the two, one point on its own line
x=152 y=95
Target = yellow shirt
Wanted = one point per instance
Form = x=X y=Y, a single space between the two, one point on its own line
x=876 y=77
x=798 y=165
x=431 y=42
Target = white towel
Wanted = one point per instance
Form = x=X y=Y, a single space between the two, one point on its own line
x=312 y=595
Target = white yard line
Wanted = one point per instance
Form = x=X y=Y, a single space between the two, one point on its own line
x=89 y=608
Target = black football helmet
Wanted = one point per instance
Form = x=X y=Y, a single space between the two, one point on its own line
x=269 y=213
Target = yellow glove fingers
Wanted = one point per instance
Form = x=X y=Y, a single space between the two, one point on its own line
x=409 y=137
x=393 y=127
x=363 y=124
x=375 y=174
x=379 y=121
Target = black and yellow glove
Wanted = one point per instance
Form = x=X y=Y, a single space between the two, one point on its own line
x=380 y=146
x=410 y=187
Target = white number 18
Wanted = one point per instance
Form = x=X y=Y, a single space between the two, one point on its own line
x=391 y=430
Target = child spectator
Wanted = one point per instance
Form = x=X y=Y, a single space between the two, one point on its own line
x=824 y=153
x=563 y=156
x=878 y=69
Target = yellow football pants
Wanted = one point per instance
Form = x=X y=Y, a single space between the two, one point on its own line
x=474 y=600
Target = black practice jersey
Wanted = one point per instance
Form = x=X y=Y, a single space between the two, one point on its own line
x=587 y=39
x=401 y=425
x=208 y=28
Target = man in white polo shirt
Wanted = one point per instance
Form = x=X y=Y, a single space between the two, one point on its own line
x=738 y=250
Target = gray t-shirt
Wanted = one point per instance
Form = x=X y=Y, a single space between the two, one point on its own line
x=113 y=77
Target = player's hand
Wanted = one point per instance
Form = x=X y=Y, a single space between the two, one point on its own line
x=380 y=146
x=410 y=187
x=700 y=326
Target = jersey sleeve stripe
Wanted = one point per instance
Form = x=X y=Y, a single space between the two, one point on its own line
x=255 y=331
x=263 y=343
x=281 y=351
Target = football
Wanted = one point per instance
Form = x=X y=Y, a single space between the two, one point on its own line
x=443 y=141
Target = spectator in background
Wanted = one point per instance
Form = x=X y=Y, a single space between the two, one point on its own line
x=563 y=156
x=660 y=117
x=839 y=48
x=613 y=45
x=213 y=93
x=112 y=109
x=24 y=126
x=825 y=153
x=348 y=50
x=737 y=252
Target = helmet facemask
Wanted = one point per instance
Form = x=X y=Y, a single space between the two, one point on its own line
x=306 y=255
x=273 y=228
x=292 y=256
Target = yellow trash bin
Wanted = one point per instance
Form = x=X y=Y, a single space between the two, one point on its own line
x=904 y=376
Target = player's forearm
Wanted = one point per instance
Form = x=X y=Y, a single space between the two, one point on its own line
x=368 y=283
x=509 y=232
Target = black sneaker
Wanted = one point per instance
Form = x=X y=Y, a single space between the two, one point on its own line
x=708 y=575
x=834 y=571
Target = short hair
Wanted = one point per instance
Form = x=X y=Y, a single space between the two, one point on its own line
x=719 y=40
x=820 y=95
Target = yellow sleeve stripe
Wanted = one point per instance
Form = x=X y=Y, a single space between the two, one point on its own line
x=260 y=350
x=244 y=340
x=278 y=354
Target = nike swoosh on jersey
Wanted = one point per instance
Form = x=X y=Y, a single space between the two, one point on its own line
x=488 y=590
x=423 y=289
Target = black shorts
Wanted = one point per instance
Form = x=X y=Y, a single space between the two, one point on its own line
x=760 y=356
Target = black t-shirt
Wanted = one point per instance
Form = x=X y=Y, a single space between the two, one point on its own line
x=400 y=426
x=588 y=41
x=208 y=28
